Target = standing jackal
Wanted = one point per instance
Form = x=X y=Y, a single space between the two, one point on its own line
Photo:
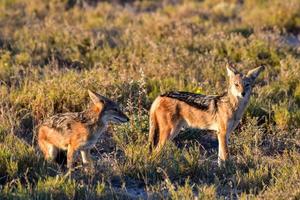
x=78 y=131
x=222 y=113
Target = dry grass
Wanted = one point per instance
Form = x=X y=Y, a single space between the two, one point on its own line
x=131 y=52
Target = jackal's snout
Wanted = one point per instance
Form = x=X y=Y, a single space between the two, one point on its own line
x=121 y=117
x=114 y=114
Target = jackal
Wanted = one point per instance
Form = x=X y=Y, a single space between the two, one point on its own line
x=222 y=113
x=78 y=131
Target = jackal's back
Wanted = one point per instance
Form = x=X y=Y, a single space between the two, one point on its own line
x=63 y=122
x=200 y=101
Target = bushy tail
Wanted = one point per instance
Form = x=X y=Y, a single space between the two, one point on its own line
x=153 y=132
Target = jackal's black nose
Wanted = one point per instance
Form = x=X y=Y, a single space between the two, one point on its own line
x=126 y=118
x=243 y=93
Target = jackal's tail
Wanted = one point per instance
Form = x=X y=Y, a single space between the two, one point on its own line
x=153 y=132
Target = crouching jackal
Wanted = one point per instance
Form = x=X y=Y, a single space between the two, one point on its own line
x=222 y=113
x=78 y=131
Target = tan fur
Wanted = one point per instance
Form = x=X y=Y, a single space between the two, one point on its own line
x=222 y=113
x=75 y=132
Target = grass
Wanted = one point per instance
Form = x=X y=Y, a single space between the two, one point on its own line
x=50 y=54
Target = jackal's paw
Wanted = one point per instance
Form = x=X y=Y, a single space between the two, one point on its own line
x=69 y=173
x=89 y=168
x=225 y=164
x=221 y=163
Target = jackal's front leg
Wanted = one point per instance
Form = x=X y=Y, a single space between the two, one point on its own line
x=223 y=147
x=86 y=159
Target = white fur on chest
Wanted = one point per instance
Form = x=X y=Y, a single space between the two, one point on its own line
x=234 y=121
x=242 y=107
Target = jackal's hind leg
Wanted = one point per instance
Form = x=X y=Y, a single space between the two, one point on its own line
x=164 y=135
x=169 y=133
x=48 y=149
x=175 y=130
x=70 y=157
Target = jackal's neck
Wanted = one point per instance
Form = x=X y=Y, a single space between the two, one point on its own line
x=232 y=100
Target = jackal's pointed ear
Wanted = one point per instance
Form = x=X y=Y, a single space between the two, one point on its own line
x=253 y=74
x=231 y=71
x=96 y=98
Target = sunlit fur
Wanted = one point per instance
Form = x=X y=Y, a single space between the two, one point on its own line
x=78 y=131
x=222 y=113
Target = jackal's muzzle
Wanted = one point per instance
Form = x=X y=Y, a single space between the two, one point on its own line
x=120 y=118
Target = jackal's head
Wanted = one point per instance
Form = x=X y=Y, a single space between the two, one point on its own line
x=240 y=85
x=109 y=111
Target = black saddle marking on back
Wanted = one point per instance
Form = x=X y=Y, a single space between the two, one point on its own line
x=199 y=101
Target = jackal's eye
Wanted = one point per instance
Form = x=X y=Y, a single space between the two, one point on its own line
x=236 y=84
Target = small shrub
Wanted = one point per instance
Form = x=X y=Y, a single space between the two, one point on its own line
x=271 y=13
x=282 y=116
x=297 y=94
x=56 y=188
x=16 y=157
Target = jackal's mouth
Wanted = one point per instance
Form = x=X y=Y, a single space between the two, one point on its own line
x=120 y=120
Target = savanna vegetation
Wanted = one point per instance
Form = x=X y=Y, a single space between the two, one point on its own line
x=52 y=51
